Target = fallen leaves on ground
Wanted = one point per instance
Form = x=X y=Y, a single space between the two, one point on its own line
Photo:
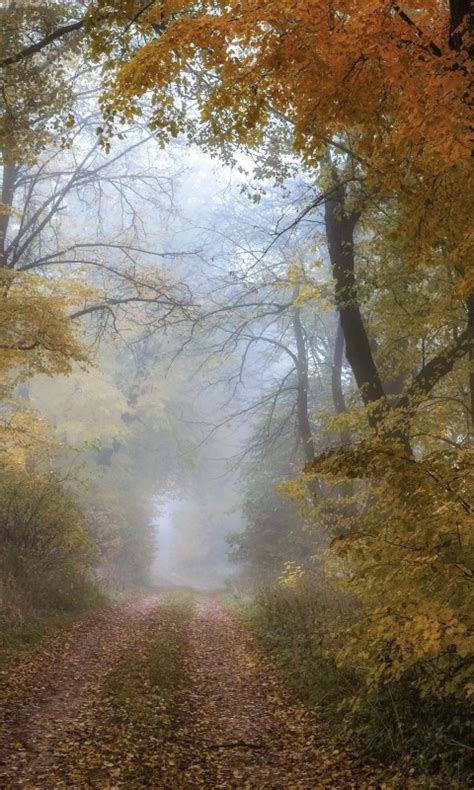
x=51 y=699
x=143 y=695
x=240 y=729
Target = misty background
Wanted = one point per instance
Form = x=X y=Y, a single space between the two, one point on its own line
x=178 y=411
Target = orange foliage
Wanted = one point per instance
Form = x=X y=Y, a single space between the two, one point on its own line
x=382 y=80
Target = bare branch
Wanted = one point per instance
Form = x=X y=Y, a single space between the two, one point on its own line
x=38 y=46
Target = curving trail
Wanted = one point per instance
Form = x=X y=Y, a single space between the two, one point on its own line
x=232 y=724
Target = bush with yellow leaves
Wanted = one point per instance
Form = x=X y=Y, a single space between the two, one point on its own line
x=412 y=568
x=408 y=552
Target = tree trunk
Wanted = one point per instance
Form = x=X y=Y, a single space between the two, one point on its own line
x=8 y=191
x=470 y=324
x=461 y=36
x=340 y=237
x=336 y=373
x=461 y=25
x=304 y=425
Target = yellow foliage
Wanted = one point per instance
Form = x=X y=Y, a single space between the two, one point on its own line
x=411 y=563
x=291 y=575
x=36 y=335
x=387 y=77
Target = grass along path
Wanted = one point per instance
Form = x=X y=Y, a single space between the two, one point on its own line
x=239 y=728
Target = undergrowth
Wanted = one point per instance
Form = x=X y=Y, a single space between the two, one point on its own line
x=21 y=633
x=422 y=738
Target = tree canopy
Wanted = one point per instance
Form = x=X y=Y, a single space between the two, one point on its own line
x=319 y=334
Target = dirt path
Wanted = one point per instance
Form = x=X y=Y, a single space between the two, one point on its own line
x=232 y=724
x=53 y=687
x=240 y=729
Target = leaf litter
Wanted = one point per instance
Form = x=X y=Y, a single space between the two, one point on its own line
x=94 y=708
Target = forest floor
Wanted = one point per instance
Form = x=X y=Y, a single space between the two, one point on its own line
x=162 y=693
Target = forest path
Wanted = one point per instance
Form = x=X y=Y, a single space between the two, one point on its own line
x=240 y=728
x=55 y=686
x=229 y=723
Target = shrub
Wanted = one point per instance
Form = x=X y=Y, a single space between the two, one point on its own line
x=47 y=557
x=309 y=626
x=296 y=622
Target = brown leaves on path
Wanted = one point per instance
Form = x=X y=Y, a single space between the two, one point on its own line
x=240 y=728
x=151 y=696
x=54 y=687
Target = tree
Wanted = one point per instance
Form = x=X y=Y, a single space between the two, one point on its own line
x=72 y=272
x=405 y=146
x=247 y=64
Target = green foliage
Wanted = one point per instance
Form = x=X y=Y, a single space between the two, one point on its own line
x=394 y=658
x=19 y=635
x=275 y=532
x=296 y=622
x=404 y=551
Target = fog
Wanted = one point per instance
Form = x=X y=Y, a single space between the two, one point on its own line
x=182 y=273
x=183 y=397
x=236 y=394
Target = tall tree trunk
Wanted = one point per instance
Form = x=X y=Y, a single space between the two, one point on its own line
x=342 y=490
x=340 y=237
x=461 y=26
x=9 y=175
x=470 y=323
x=336 y=372
x=461 y=36
x=304 y=425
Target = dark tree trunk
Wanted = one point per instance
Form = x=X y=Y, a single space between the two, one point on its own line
x=461 y=25
x=470 y=324
x=8 y=191
x=340 y=236
x=461 y=36
x=304 y=425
